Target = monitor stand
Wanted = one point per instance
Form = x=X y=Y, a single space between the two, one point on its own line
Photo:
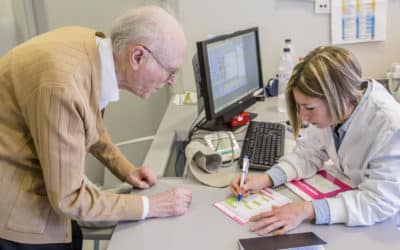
x=219 y=124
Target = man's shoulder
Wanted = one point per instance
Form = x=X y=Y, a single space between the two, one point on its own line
x=59 y=57
x=73 y=29
x=68 y=33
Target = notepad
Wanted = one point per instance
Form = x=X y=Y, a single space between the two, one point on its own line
x=322 y=185
x=251 y=205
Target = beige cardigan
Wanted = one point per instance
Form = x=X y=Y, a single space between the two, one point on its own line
x=49 y=119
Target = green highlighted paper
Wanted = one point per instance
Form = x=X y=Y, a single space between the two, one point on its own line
x=251 y=205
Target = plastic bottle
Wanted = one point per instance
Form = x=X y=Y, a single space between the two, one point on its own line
x=285 y=70
x=289 y=44
x=396 y=219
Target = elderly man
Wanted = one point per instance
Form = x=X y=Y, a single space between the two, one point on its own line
x=53 y=89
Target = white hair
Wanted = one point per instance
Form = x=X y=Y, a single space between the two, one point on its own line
x=145 y=25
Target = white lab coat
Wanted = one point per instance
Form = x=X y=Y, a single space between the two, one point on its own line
x=369 y=155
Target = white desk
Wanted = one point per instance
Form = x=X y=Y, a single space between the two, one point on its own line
x=203 y=226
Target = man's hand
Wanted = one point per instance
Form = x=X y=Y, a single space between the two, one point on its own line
x=141 y=178
x=282 y=219
x=173 y=202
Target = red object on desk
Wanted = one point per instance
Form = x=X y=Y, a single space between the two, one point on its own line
x=239 y=120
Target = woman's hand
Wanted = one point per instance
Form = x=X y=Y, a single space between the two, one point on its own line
x=253 y=183
x=282 y=219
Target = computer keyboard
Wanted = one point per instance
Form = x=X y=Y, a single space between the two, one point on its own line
x=264 y=144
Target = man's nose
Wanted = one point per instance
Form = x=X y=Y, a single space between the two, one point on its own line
x=171 y=81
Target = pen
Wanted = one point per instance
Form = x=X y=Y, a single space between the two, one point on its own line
x=245 y=169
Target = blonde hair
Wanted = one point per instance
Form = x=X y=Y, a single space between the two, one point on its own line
x=330 y=73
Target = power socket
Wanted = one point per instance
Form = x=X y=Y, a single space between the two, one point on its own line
x=322 y=6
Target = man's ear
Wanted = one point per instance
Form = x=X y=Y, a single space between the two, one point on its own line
x=136 y=56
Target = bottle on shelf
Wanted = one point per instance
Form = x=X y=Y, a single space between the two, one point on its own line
x=289 y=44
x=285 y=70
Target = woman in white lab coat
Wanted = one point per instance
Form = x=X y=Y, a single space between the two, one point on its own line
x=355 y=125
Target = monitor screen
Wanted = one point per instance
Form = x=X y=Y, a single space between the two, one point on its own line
x=229 y=72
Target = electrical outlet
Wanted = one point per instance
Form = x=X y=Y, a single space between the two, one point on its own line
x=322 y=6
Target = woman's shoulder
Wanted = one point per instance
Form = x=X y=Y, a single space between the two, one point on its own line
x=381 y=107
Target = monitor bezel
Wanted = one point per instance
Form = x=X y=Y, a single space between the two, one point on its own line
x=205 y=85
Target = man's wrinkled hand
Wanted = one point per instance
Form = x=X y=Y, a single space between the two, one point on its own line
x=173 y=202
x=141 y=178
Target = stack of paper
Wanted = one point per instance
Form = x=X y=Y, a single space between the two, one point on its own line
x=322 y=185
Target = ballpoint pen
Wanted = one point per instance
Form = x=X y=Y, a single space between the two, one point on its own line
x=245 y=170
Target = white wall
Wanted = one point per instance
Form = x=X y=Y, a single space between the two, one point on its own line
x=17 y=23
x=278 y=19
x=7 y=27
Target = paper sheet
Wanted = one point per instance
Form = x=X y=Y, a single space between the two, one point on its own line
x=322 y=185
x=187 y=98
x=251 y=205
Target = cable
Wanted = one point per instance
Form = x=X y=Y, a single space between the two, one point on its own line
x=193 y=129
x=181 y=149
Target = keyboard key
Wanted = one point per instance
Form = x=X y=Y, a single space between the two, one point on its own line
x=263 y=144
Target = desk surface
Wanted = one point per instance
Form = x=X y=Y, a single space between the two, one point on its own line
x=205 y=227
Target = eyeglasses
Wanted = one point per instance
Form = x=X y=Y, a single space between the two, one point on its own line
x=171 y=74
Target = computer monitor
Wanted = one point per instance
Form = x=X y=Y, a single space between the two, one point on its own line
x=227 y=72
